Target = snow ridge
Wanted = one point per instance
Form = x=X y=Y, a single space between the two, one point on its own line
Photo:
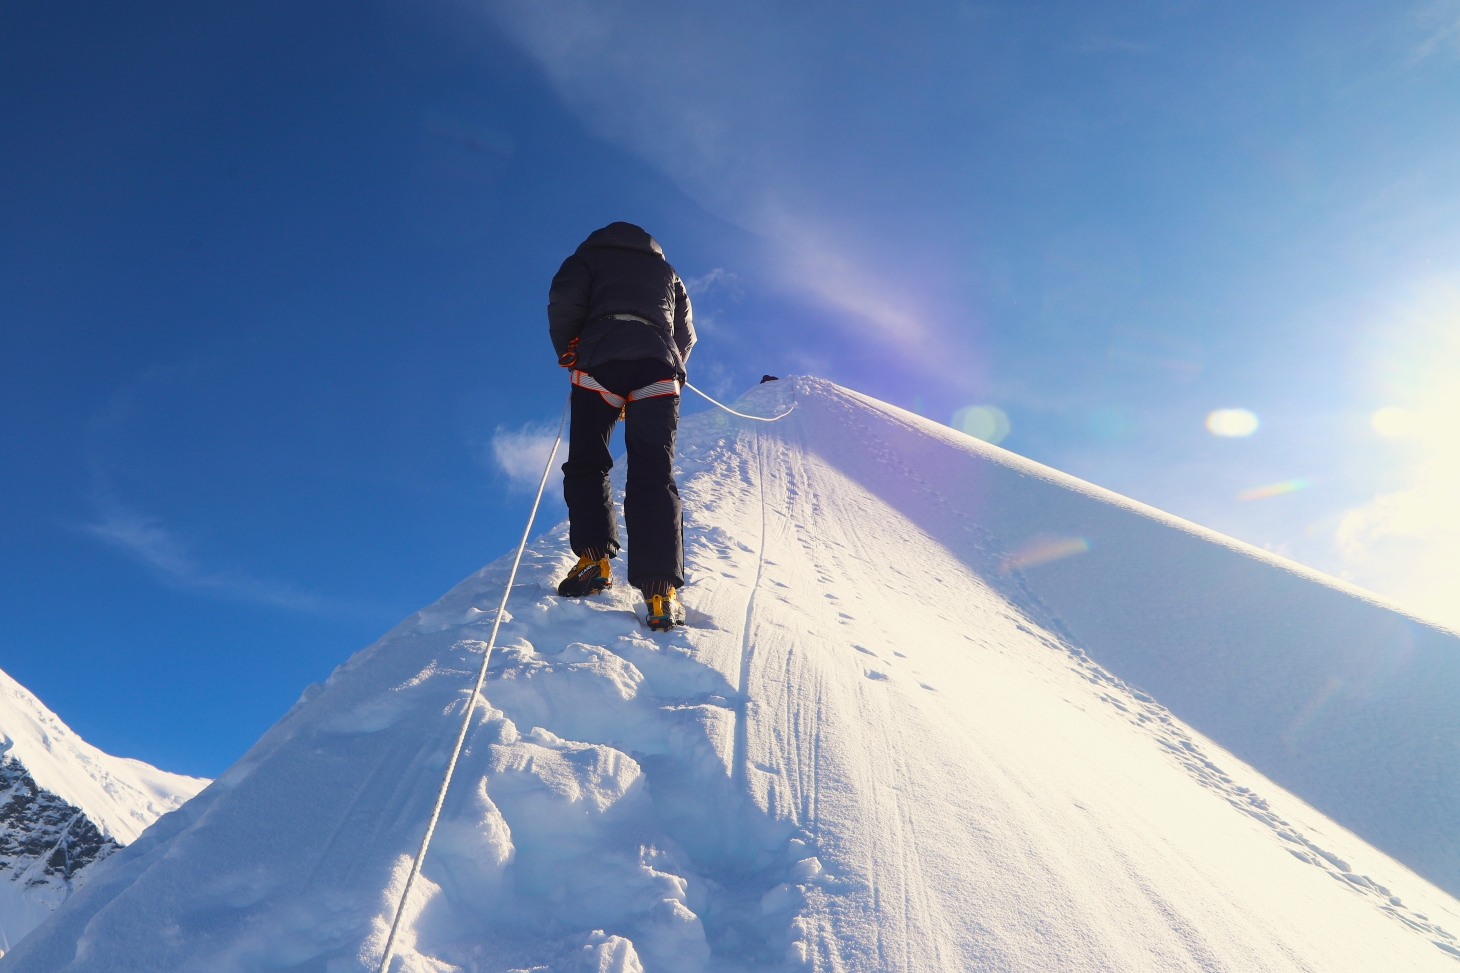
x=888 y=739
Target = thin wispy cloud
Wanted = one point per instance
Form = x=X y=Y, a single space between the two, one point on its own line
x=1438 y=26
x=733 y=122
x=167 y=554
x=876 y=308
x=521 y=454
x=123 y=405
x=171 y=559
x=709 y=292
x=717 y=281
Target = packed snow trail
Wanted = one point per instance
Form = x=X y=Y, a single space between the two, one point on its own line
x=876 y=746
x=403 y=905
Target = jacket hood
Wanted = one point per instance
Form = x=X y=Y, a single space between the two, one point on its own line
x=623 y=236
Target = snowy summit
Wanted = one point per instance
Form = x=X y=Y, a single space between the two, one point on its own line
x=901 y=731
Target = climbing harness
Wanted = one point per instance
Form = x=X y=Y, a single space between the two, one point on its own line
x=471 y=703
x=583 y=380
x=741 y=414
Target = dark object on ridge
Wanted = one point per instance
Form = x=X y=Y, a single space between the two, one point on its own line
x=768 y=378
x=622 y=300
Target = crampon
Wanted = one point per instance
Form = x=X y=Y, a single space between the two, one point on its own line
x=665 y=611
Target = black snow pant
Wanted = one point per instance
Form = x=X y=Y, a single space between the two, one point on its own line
x=652 y=508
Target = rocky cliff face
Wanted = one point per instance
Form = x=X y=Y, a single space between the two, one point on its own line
x=46 y=843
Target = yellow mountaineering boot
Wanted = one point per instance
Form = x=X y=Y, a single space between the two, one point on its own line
x=588 y=577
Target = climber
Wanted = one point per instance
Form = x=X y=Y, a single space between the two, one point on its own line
x=620 y=321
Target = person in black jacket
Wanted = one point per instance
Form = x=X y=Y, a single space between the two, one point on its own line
x=620 y=318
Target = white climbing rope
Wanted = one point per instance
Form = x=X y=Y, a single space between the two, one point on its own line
x=471 y=703
x=741 y=414
x=476 y=692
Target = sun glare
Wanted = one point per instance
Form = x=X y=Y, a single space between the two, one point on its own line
x=1403 y=542
x=1397 y=423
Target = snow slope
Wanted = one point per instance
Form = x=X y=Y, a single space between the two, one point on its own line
x=899 y=733
x=64 y=807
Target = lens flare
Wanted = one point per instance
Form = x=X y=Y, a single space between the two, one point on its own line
x=1293 y=735
x=1231 y=422
x=986 y=422
x=1042 y=550
x=1275 y=489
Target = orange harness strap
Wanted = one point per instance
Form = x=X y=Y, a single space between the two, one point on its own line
x=668 y=386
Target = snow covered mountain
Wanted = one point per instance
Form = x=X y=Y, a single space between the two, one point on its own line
x=902 y=731
x=64 y=807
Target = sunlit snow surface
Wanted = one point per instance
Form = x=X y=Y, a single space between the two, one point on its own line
x=889 y=739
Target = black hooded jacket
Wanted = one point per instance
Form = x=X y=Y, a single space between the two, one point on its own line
x=620 y=269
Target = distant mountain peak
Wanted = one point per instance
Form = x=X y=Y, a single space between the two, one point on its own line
x=65 y=807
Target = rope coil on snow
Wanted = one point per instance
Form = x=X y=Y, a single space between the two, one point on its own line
x=476 y=692
x=741 y=414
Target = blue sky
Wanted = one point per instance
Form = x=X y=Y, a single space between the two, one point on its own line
x=272 y=283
